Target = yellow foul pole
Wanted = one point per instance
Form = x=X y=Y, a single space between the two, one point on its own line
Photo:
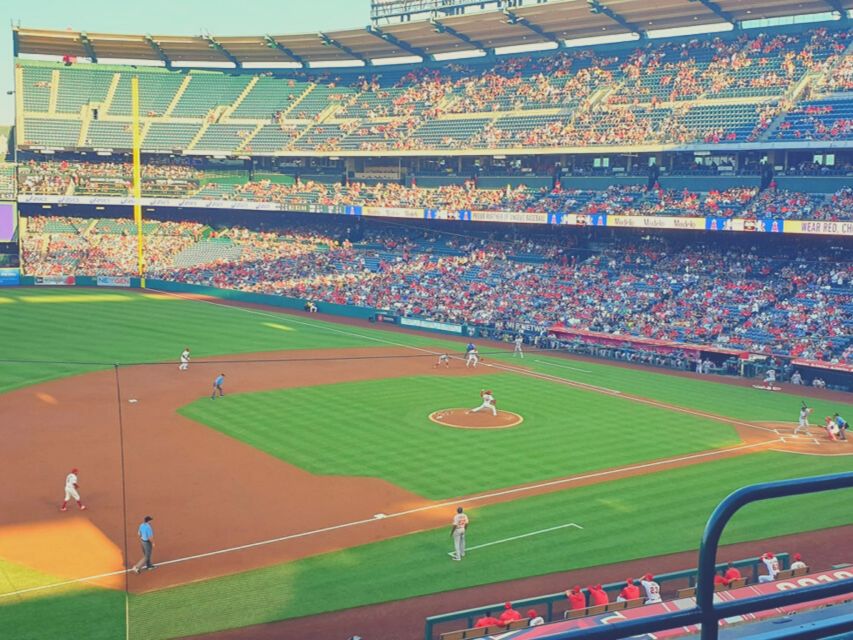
x=137 y=179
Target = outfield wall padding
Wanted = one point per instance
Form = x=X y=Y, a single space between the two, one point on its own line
x=350 y=311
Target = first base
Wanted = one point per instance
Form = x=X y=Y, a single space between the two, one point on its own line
x=132 y=400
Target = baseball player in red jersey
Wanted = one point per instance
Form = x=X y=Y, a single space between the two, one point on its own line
x=629 y=592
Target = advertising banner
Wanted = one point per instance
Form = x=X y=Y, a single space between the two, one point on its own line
x=56 y=281
x=113 y=281
x=10 y=277
x=711 y=223
x=393 y=212
x=431 y=324
x=385 y=317
x=656 y=222
x=820 y=227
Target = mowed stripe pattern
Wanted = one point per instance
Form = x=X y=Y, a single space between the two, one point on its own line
x=381 y=428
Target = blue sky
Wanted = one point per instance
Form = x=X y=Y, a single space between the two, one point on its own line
x=181 y=17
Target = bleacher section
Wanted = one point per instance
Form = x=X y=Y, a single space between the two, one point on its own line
x=206 y=91
x=51 y=133
x=208 y=251
x=78 y=87
x=711 y=90
x=169 y=136
x=156 y=91
x=269 y=96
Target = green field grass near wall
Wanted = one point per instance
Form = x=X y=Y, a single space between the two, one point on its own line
x=689 y=390
x=111 y=326
x=381 y=428
x=623 y=520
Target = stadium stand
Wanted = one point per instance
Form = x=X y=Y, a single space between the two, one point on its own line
x=772 y=304
x=713 y=90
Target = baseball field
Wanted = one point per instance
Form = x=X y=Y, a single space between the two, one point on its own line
x=319 y=483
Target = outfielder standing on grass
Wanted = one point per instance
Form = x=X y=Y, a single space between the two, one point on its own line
x=71 y=487
x=457 y=532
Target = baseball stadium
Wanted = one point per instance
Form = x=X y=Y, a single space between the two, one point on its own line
x=490 y=319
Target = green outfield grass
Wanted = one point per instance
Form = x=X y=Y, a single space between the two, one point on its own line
x=381 y=428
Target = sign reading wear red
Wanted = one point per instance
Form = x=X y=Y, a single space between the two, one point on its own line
x=751 y=591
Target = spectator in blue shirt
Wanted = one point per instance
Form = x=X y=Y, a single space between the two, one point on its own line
x=217 y=385
x=146 y=537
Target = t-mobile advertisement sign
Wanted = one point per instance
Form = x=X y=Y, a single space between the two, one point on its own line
x=7 y=221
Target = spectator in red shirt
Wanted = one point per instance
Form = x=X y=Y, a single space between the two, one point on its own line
x=629 y=592
x=509 y=614
x=486 y=621
x=577 y=599
x=731 y=574
x=720 y=580
x=597 y=595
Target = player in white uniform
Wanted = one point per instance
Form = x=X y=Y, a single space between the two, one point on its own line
x=457 y=532
x=185 y=359
x=71 y=486
x=772 y=564
x=472 y=359
x=803 y=424
x=651 y=588
x=519 y=340
x=487 y=403
x=770 y=378
x=443 y=359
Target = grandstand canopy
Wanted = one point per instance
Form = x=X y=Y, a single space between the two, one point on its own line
x=527 y=24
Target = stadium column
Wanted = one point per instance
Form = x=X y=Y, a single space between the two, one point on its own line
x=137 y=178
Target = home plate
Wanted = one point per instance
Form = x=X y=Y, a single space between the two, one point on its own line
x=379 y=516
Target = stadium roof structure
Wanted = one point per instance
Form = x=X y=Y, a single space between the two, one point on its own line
x=554 y=21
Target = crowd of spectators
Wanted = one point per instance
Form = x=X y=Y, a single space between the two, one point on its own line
x=71 y=178
x=794 y=305
x=67 y=177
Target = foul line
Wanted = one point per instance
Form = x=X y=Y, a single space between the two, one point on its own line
x=523 y=535
x=562 y=366
x=407 y=512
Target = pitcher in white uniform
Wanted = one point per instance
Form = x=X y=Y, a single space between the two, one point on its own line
x=488 y=403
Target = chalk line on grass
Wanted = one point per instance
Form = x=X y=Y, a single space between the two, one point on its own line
x=562 y=366
x=519 y=537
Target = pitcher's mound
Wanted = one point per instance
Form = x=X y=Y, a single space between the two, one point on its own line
x=464 y=419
